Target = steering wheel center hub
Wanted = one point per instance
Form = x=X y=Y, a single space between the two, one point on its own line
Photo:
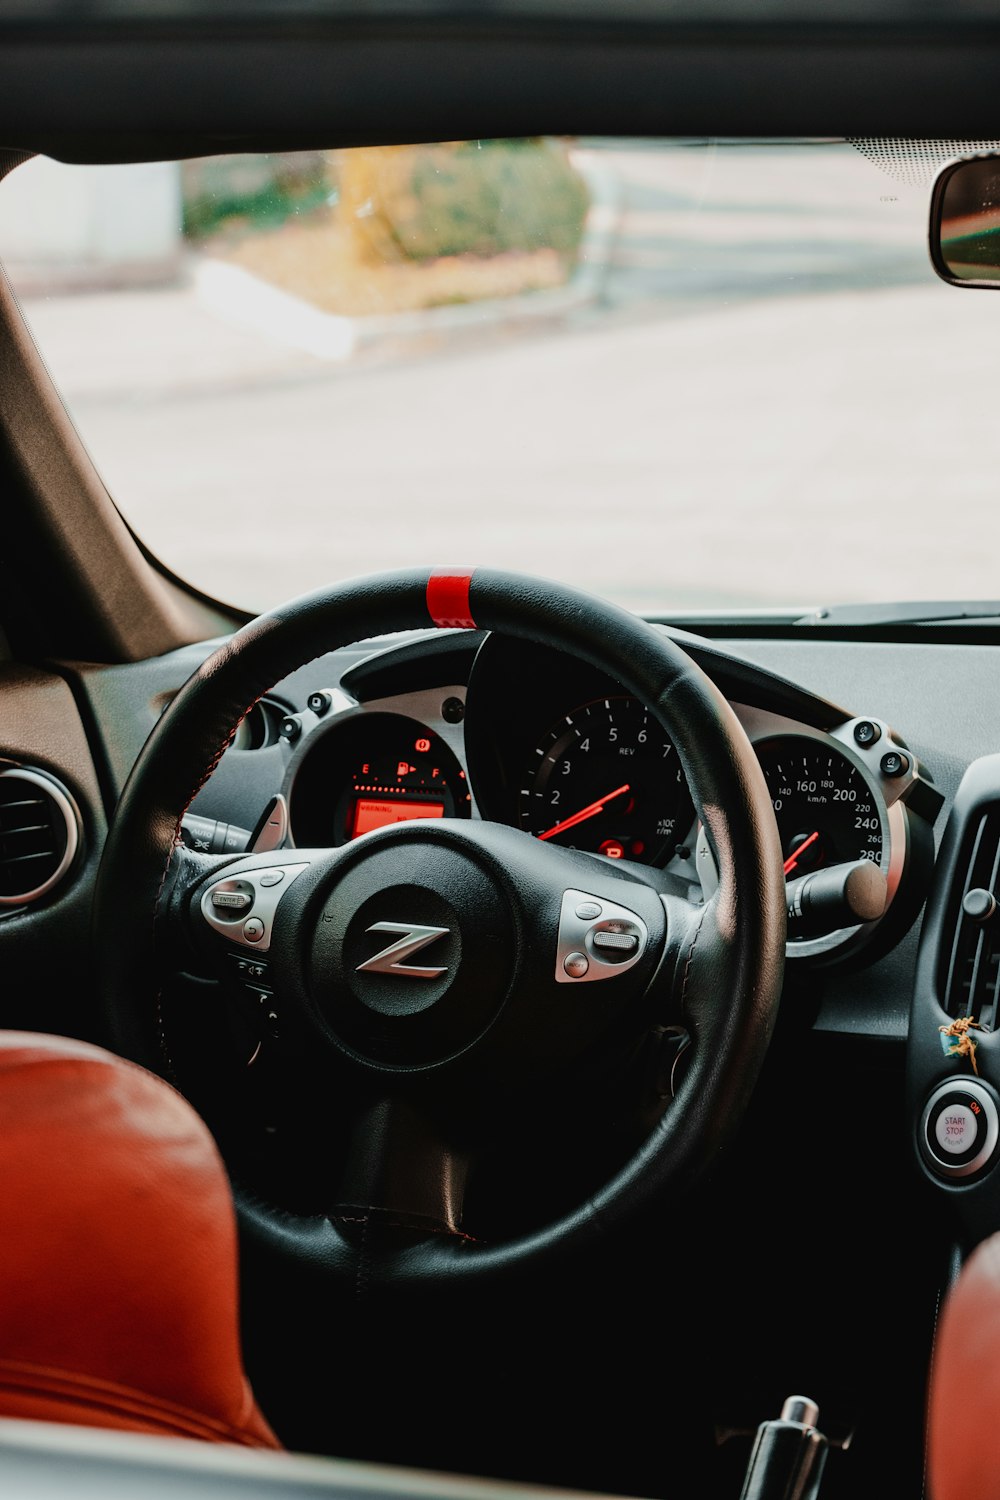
x=413 y=953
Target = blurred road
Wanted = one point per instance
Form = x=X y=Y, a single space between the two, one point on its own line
x=773 y=401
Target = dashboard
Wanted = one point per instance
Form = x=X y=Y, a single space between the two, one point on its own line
x=455 y=724
x=547 y=744
x=861 y=764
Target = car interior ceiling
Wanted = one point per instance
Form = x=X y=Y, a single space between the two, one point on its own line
x=805 y=1259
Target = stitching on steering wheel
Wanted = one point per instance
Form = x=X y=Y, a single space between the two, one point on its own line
x=361 y=1275
x=370 y=1219
x=690 y=958
x=161 y=1029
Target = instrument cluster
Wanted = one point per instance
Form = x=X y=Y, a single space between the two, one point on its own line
x=568 y=755
x=368 y=769
x=545 y=743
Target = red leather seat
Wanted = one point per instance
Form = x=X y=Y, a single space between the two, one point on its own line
x=964 y=1433
x=118 y=1283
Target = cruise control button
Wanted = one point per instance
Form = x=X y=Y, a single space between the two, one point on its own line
x=581 y=955
x=955 y=1129
x=623 y=942
x=253 y=929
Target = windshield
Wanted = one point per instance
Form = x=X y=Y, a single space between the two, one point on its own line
x=682 y=374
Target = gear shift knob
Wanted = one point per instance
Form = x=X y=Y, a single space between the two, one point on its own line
x=800 y=1409
x=788 y=1455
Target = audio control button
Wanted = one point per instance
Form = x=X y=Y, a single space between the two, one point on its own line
x=237 y=900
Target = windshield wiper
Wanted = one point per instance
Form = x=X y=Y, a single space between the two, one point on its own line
x=920 y=612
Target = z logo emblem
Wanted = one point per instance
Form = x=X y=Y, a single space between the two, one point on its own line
x=392 y=960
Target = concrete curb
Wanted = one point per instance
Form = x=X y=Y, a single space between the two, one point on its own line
x=250 y=303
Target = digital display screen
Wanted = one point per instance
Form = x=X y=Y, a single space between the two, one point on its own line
x=372 y=812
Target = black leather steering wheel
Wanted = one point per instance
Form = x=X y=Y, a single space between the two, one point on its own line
x=497 y=1006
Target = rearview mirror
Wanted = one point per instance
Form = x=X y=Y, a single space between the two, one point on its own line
x=965 y=223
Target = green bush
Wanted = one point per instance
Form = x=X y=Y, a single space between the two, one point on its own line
x=481 y=198
x=249 y=193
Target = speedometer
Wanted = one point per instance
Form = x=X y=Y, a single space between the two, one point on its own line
x=827 y=811
x=606 y=778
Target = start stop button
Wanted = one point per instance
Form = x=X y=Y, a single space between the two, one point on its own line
x=960 y=1129
x=956 y=1128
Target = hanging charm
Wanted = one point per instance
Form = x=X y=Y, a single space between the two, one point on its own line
x=963 y=1045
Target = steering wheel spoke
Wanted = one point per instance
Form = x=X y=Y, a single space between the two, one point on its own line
x=401 y=1172
x=185 y=872
x=240 y=902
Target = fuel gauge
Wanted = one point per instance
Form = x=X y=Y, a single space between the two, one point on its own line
x=372 y=770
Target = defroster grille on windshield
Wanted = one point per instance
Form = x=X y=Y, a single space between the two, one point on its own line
x=915 y=162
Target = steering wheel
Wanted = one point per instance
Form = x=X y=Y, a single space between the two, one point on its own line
x=438 y=962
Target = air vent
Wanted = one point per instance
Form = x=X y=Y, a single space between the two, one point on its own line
x=38 y=835
x=972 y=982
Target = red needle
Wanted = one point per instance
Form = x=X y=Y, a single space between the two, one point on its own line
x=584 y=813
x=793 y=859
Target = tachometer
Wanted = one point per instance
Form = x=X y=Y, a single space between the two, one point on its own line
x=607 y=779
x=827 y=811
